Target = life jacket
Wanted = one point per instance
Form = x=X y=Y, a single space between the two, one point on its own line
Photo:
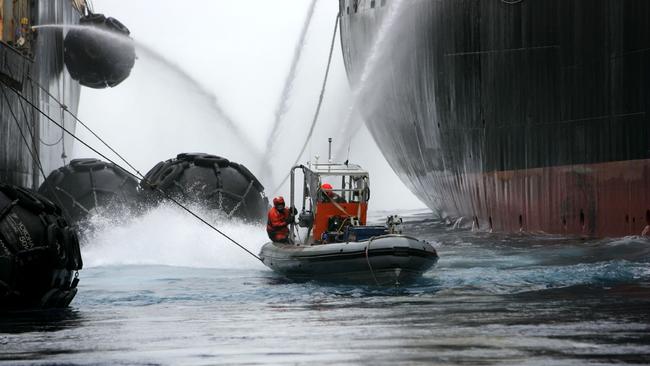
x=277 y=226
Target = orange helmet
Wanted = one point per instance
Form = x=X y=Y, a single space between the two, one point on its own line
x=327 y=189
x=278 y=201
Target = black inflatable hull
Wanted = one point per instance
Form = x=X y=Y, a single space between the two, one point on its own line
x=385 y=260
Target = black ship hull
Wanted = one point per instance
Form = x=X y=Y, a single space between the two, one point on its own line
x=39 y=251
x=518 y=115
x=36 y=70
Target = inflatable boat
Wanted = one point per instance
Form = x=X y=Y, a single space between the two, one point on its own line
x=330 y=240
x=384 y=260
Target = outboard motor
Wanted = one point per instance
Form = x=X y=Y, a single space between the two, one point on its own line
x=394 y=224
x=85 y=185
x=39 y=252
x=97 y=59
x=211 y=181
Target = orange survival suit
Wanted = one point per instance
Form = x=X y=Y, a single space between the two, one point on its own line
x=279 y=218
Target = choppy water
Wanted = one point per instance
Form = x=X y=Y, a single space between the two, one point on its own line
x=492 y=299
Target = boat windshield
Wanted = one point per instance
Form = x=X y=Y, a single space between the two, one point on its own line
x=344 y=188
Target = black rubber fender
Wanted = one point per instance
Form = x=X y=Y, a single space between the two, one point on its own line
x=211 y=160
x=247 y=173
x=153 y=175
x=84 y=165
x=169 y=175
x=209 y=180
x=71 y=240
x=4 y=289
x=49 y=299
x=28 y=201
x=40 y=250
x=92 y=18
x=56 y=177
x=86 y=184
x=94 y=61
x=69 y=295
x=57 y=244
x=117 y=26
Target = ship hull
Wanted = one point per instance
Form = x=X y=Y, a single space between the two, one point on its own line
x=529 y=115
x=37 y=72
x=604 y=199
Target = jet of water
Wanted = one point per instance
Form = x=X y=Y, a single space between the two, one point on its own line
x=222 y=117
x=365 y=83
x=282 y=106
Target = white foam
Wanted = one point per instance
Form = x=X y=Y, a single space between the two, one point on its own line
x=167 y=235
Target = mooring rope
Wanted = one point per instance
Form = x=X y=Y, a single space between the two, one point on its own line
x=34 y=152
x=66 y=109
x=165 y=194
x=318 y=107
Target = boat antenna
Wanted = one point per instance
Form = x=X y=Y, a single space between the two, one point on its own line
x=329 y=152
x=347 y=158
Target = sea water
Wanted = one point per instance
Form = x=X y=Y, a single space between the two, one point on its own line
x=161 y=289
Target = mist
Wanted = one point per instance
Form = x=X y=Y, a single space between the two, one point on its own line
x=234 y=56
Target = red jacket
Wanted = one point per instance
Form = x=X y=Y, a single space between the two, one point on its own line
x=277 y=225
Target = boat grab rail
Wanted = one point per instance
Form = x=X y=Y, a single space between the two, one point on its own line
x=392 y=236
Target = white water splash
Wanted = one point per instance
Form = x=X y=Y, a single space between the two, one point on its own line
x=167 y=235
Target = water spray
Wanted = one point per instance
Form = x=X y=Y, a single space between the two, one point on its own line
x=372 y=61
x=320 y=103
x=167 y=196
x=281 y=108
x=224 y=117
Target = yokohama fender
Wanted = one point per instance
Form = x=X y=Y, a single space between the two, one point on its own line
x=97 y=61
x=85 y=185
x=169 y=175
x=85 y=165
x=71 y=242
x=211 y=160
x=211 y=181
x=247 y=173
x=30 y=201
x=56 y=243
x=152 y=175
x=39 y=252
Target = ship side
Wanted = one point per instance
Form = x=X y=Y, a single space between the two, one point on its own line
x=527 y=115
x=34 y=67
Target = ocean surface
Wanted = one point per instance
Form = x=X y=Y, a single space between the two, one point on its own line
x=160 y=289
